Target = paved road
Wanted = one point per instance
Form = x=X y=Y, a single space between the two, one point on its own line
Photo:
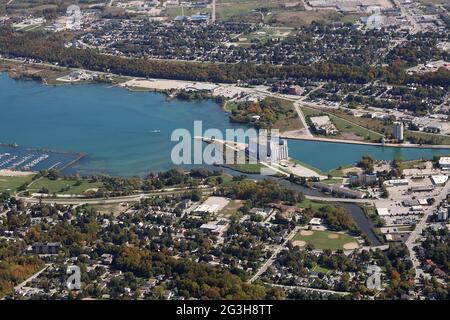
x=341 y=293
x=34 y=276
x=302 y=119
x=273 y=257
x=97 y=201
x=346 y=200
x=288 y=135
x=415 y=27
x=420 y=226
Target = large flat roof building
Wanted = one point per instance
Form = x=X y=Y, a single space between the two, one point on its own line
x=444 y=163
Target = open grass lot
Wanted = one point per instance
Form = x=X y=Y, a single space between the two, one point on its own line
x=314 y=205
x=114 y=209
x=339 y=172
x=297 y=19
x=385 y=128
x=250 y=168
x=232 y=207
x=63 y=186
x=12 y=183
x=322 y=240
x=344 y=126
x=275 y=13
x=434 y=138
x=265 y=34
x=288 y=119
x=235 y=9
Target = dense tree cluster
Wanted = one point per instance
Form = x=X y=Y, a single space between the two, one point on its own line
x=193 y=280
x=261 y=193
x=51 y=49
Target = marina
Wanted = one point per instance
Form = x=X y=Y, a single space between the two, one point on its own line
x=25 y=159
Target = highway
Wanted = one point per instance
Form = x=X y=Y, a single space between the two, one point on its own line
x=114 y=200
x=138 y=197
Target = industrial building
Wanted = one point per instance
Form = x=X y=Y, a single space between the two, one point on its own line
x=323 y=125
x=397 y=131
x=269 y=151
x=444 y=163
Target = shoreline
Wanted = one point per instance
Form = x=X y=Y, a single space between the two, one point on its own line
x=288 y=135
x=14 y=173
x=170 y=87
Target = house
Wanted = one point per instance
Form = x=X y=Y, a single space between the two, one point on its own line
x=107 y=258
x=46 y=247
x=185 y=204
x=315 y=222
x=295 y=90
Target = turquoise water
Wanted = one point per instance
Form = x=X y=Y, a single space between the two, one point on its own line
x=326 y=155
x=127 y=133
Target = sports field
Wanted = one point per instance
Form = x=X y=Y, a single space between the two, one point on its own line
x=322 y=240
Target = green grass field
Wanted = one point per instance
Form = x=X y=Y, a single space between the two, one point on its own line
x=250 y=168
x=12 y=183
x=314 y=205
x=63 y=186
x=231 y=208
x=265 y=34
x=321 y=240
x=343 y=125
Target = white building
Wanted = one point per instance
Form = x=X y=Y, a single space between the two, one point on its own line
x=398 y=131
x=443 y=215
x=269 y=151
x=315 y=222
x=396 y=182
x=323 y=125
x=439 y=180
x=444 y=163
x=383 y=212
